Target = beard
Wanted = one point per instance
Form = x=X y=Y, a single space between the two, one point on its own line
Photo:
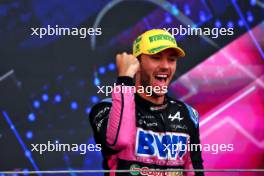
x=145 y=81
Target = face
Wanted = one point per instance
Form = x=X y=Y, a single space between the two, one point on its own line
x=157 y=69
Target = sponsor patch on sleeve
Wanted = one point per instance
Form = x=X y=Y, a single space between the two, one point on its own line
x=193 y=115
x=101 y=116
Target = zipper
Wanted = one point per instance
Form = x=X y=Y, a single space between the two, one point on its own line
x=165 y=130
x=163 y=121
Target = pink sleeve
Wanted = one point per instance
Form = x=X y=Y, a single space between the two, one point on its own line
x=121 y=122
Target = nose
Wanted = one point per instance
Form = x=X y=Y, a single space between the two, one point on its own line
x=164 y=63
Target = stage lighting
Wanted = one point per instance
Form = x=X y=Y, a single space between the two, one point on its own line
x=253 y=2
x=87 y=110
x=240 y=23
x=218 y=23
x=31 y=117
x=96 y=81
x=230 y=24
x=168 y=19
x=101 y=70
x=57 y=98
x=94 y=99
x=202 y=16
x=250 y=17
x=36 y=104
x=29 y=135
x=111 y=66
x=27 y=153
x=74 y=105
x=187 y=10
x=45 y=97
x=174 y=10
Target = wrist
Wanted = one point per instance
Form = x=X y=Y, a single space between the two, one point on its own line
x=128 y=74
x=125 y=80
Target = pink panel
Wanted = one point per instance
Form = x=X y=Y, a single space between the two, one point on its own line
x=227 y=89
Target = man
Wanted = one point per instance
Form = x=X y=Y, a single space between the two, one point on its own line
x=142 y=131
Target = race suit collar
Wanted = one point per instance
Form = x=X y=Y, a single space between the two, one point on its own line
x=149 y=105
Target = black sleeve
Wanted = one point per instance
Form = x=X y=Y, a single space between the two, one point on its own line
x=98 y=120
x=196 y=156
x=195 y=145
x=195 y=152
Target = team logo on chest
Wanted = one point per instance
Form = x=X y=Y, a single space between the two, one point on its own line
x=176 y=116
x=169 y=145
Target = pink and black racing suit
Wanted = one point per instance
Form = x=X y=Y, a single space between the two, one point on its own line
x=138 y=135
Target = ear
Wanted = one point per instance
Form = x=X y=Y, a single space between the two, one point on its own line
x=137 y=76
x=139 y=58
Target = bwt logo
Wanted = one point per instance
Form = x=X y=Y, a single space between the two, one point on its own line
x=163 y=145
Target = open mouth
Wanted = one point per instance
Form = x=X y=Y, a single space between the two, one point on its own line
x=162 y=77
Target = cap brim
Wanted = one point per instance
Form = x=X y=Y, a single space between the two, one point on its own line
x=178 y=50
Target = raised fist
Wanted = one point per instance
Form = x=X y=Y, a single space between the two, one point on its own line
x=127 y=64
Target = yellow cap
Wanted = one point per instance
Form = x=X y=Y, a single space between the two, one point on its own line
x=155 y=41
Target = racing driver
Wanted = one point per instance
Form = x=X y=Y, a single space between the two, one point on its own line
x=143 y=132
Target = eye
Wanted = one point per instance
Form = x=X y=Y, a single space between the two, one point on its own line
x=156 y=57
x=173 y=58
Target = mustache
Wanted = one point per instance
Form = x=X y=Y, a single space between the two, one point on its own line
x=163 y=70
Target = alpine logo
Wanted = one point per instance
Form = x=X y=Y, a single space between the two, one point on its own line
x=162 y=145
x=177 y=116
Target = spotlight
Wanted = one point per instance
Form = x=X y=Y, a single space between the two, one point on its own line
x=111 y=66
x=168 y=19
x=252 y=2
x=230 y=24
x=174 y=10
x=94 y=99
x=240 y=23
x=101 y=70
x=250 y=17
x=96 y=81
x=57 y=98
x=36 y=104
x=202 y=16
x=31 y=117
x=45 y=97
x=218 y=23
x=74 y=105
x=27 y=153
x=29 y=135
x=87 y=110
x=187 y=10
x=25 y=171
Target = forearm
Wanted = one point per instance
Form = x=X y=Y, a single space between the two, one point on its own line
x=121 y=121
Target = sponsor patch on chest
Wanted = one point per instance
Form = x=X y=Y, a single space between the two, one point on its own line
x=169 y=145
